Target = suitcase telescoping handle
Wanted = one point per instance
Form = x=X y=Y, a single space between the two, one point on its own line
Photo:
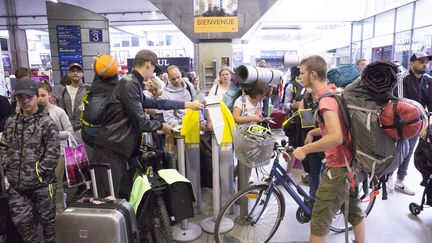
x=93 y=178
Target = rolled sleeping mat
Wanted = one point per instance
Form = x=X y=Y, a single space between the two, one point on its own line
x=379 y=79
x=249 y=74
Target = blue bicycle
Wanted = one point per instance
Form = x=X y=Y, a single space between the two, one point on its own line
x=255 y=213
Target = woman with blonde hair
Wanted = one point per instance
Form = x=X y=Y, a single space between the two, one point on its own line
x=221 y=85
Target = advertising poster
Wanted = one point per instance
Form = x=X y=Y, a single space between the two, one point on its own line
x=211 y=16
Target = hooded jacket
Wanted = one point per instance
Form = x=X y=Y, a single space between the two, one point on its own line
x=31 y=150
x=65 y=102
x=175 y=117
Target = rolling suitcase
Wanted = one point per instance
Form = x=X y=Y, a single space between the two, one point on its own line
x=112 y=221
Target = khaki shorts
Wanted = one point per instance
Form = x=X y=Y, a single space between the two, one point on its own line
x=330 y=198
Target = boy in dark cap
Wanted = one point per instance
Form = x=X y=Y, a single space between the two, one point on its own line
x=29 y=154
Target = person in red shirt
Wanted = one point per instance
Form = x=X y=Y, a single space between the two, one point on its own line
x=335 y=140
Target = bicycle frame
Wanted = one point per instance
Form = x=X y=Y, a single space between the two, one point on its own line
x=278 y=174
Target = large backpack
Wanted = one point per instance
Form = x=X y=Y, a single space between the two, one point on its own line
x=343 y=75
x=373 y=151
x=95 y=103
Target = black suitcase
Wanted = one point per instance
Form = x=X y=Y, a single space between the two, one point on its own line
x=111 y=221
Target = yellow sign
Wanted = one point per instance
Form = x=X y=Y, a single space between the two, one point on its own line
x=215 y=24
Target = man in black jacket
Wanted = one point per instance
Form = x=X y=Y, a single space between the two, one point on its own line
x=120 y=135
x=416 y=85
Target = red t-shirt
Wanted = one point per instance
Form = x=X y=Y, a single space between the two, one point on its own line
x=334 y=156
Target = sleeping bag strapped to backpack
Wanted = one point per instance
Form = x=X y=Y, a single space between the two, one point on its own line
x=403 y=119
x=361 y=105
x=96 y=100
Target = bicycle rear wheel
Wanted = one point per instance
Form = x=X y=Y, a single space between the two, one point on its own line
x=245 y=228
x=366 y=203
x=161 y=223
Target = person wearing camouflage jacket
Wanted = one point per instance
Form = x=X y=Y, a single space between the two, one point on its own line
x=29 y=157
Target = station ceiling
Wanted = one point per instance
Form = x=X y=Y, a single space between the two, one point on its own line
x=31 y=14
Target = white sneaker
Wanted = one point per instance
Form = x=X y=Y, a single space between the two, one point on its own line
x=390 y=184
x=400 y=186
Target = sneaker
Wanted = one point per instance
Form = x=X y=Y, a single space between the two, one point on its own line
x=390 y=184
x=400 y=186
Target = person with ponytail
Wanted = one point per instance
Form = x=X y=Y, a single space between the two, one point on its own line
x=65 y=128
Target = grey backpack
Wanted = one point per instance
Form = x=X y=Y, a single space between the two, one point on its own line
x=373 y=151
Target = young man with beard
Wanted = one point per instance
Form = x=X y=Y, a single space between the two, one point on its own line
x=71 y=97
x=330 y=195
x=416 y=85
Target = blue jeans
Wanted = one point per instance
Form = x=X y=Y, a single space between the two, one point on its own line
x=316 y=168
x=402 y=170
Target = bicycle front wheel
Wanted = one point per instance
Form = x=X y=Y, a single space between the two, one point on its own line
x=255 y=214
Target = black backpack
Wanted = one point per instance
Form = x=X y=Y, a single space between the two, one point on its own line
x=95 y=103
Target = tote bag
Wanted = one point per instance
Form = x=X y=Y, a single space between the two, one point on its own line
x=76 y=163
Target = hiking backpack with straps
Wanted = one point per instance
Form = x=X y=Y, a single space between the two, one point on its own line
x=373 y=151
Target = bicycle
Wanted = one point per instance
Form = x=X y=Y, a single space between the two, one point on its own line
x=258 y=210
x=155 y=226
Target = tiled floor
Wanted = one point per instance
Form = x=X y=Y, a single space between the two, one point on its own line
x=389 y=221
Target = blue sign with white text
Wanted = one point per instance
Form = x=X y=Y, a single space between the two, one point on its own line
x=69 y=46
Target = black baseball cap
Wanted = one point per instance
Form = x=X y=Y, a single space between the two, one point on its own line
x=149 y=56
x=420 y=55
x=26 y=86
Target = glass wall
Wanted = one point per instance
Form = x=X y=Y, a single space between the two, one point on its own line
x=395 y=34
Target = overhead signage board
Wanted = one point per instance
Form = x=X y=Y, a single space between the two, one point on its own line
x=69 y=46
x=215 y=16
x=182 y=62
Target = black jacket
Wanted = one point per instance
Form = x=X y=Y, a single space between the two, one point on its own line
x=419 y=90
x=125 y=118
x=5 y=111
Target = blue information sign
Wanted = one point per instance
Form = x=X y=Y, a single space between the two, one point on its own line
x=95 y=35
x=69 y=46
